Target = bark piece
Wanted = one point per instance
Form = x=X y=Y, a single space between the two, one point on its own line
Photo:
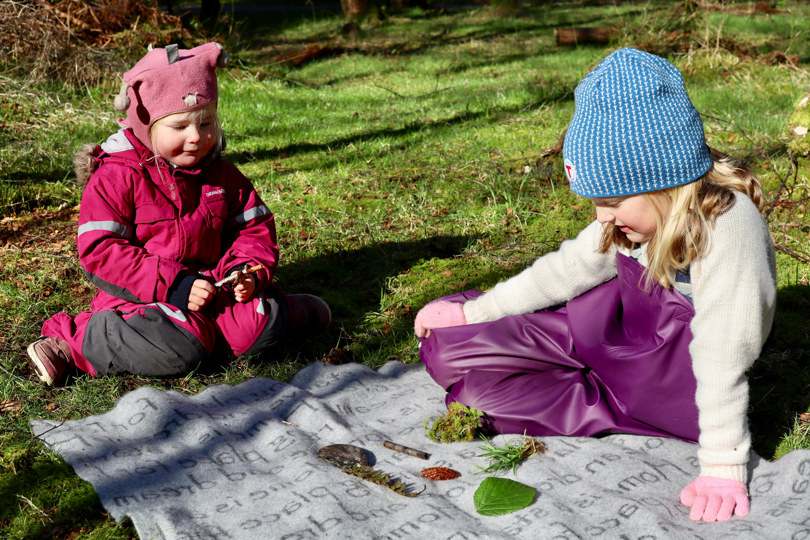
x=343 y=455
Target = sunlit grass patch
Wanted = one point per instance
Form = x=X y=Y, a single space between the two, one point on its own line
x=409 y=163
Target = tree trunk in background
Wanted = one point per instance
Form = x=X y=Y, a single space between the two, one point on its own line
x=354 y=9
x=582 y=36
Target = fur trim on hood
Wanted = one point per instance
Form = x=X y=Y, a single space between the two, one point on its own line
x=87 y=159
x=89 y=156
x=85 y=163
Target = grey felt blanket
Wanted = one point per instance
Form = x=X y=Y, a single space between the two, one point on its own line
x=240 y=462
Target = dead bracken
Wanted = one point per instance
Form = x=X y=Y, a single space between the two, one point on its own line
x=381 y=478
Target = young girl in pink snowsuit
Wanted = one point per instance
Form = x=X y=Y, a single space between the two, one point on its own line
x=647 y=321
x=162 y=220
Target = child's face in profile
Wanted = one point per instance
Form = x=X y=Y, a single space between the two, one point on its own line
x=184 y=138
x=635 y=215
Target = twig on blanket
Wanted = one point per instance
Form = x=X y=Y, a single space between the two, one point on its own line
x=405 y=450
x=237 y=276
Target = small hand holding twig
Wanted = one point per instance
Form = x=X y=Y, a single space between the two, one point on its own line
x=202 y=292
x=244 y=283
x=244 y=287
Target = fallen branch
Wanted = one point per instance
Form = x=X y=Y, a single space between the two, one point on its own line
x=782 y=181
x=798 y=255
x=794 y=168
x=237 y=276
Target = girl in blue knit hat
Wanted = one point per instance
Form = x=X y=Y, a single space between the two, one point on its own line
x=647 y=321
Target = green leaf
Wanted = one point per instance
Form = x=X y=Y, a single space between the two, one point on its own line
x=496 y=496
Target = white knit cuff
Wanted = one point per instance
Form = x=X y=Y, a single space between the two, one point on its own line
x=730 y=472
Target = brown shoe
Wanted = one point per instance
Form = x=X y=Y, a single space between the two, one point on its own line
x=308 y=313
x=51 y=359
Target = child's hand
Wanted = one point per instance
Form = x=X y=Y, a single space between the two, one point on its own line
x=715 y=499
x=202 y=292
x=438 y=315
x=244 y=288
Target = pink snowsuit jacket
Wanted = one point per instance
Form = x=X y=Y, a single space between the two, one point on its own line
x=142 y=225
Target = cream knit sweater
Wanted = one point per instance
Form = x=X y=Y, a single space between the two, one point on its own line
x=734 y=294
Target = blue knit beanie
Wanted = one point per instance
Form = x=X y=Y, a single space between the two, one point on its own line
x=634 y=129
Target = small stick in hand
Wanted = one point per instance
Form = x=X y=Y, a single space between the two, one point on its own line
x=405 y=450
x=237 y=276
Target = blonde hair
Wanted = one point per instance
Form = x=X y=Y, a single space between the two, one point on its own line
x=684 y=216
x=208 y=113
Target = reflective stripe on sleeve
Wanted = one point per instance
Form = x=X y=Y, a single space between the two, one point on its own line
x=253 y=213
x=175 y=314
x=111 y=226
x=260 y=304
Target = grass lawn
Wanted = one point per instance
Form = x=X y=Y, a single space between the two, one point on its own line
x=403 y=163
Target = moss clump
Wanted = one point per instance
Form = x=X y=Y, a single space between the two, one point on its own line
x=461 y=423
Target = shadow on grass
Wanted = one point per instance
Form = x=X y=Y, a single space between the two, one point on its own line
x=351 y=281
x=543 y=95
x=780 y=379
x=70 y=505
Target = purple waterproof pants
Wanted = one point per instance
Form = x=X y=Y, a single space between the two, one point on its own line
x=613 y=360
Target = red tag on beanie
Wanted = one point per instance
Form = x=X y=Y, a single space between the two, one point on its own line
x=570 y=171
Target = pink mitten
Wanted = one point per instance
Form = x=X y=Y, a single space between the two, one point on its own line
x=438 y=315
x=715 y=499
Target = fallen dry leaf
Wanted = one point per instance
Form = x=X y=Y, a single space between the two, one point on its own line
x=439 y=473
x=8 y=405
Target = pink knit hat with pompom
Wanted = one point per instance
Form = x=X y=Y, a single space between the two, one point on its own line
x=167 y=81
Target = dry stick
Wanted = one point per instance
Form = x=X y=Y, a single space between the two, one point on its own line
x=405 y=450
x=236 y=275
x=794 y=169
x=793 y=253
x=782 y=181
